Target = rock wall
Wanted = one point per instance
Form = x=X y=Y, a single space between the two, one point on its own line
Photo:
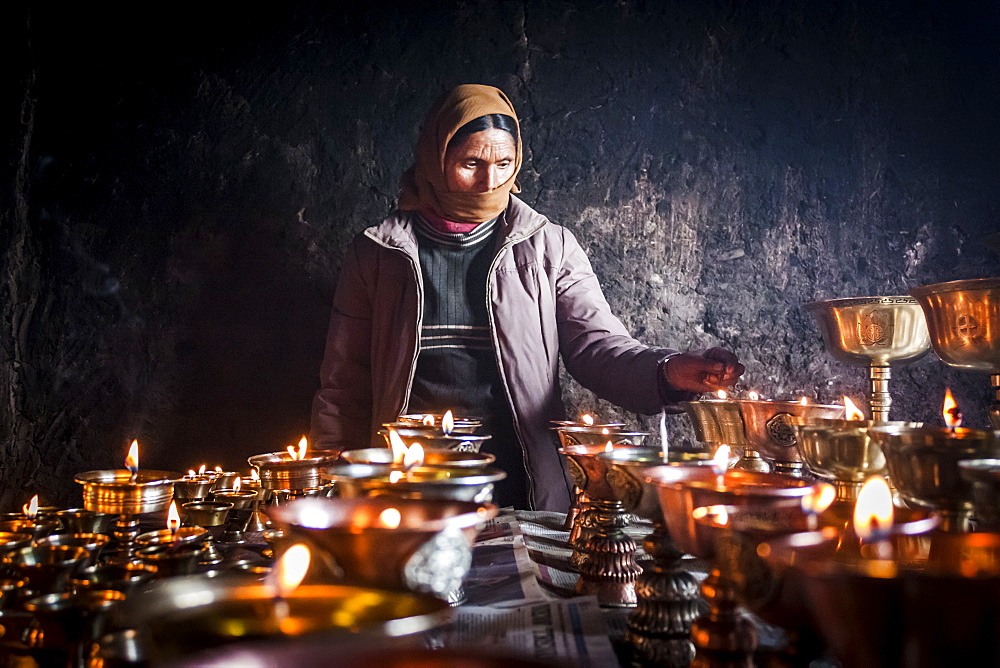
x=181 y=185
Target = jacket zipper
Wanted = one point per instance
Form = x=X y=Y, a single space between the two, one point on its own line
x=414 y=264
x=419 y=280
x=500 y=367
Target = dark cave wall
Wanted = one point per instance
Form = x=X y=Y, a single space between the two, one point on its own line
x=179 y=198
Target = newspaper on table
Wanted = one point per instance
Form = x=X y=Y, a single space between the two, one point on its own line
x=502 y=570
x=508 y=610
x=567 y=630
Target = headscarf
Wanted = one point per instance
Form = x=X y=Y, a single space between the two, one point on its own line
x=423 y=184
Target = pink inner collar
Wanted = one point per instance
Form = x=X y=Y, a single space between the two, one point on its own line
x=447 y=226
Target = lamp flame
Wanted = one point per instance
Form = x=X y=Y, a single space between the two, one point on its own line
x=819 y=499
x=390 y=518
x=587 y=419
x=852 y=410
x=218 y=469
x=173 y=518
x=447 y=423
x=605 y=431
x=873 y=510
x=31 y=508
x=132 y=459
x=427 y=421
x=191 y=473
x=398 y=447
x=804 y=400
x=722 y=394
x=237 y=484
x=254 y=475
x=609 y=447
x=414 y=455
x=298 y=453
x=720 y=460
x=950 y=410
x=753 y=395
x=201 y=470
x=291 y=569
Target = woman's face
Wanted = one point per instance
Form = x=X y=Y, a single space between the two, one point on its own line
x=481 y=162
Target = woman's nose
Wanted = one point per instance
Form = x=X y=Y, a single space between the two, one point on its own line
x=492 y=178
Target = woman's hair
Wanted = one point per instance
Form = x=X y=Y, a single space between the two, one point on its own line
x=489 y=121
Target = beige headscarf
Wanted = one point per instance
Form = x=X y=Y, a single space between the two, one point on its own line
x=424 y=186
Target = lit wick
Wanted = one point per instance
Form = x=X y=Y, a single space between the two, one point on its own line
x=30 y=509
x=173 y=521
x=873 y=516
x=950 y=411
x=720 y=462
x=298 y=454
x=289 y=571
x=851 y=410
x=132 y=461
x=817 y=501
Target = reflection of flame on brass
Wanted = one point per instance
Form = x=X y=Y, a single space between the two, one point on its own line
x=395 y=476
x=587 y=419
x=427 y=421
x=718 y=514
x=753 y=395
x=873 y=509
x=132 y=459
x=254 y=474
x=447 y=423
x=414 y=455
x=720 y=460
x=609 y=447
x=605 y=431
x=722 y=394
x=390 y=518
x=31 y=508
x=818 y=500
x=852 y=410
x=950 y=410
x=173 y=518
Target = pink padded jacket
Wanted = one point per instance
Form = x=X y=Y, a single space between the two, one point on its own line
x=544 y=302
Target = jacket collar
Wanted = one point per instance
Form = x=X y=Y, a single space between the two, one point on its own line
x=519 y=221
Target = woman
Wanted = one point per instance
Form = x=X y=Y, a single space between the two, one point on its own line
x=465 y=298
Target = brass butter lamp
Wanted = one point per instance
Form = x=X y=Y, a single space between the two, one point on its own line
x=877 y=332
x=964 y=322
